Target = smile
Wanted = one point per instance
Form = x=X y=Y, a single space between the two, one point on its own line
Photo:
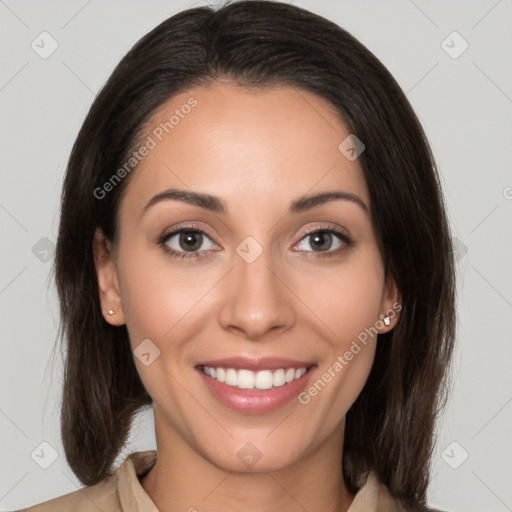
x=247 y=379
x=255 y=386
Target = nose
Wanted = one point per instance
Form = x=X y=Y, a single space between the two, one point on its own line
x=256 y=299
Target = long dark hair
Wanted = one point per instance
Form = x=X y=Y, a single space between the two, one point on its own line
x=389 y=429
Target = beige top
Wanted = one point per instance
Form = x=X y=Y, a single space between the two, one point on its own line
x=122 y=492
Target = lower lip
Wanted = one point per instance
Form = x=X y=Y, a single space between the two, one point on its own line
x=254 y=401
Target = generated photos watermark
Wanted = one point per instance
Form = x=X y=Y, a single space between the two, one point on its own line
x=151 y=142
x=343 y=360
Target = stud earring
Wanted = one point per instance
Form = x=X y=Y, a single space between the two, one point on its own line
x=387 y=320
x=110 y=311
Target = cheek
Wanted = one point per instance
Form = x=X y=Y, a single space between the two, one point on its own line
x=158 y=305
x=346 y=299
x=346 y=306
x=157 y=294
x=349 y=306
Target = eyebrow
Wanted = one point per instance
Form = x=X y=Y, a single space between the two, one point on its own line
x=215 y=204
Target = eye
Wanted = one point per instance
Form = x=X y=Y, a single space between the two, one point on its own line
x=192 y=242
x=186 y=243
x=324 y=240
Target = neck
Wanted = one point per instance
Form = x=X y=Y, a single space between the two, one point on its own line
x=184 y=480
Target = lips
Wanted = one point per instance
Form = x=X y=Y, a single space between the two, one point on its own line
x=255 y=385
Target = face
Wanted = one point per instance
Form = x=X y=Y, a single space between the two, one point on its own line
x=243 y=271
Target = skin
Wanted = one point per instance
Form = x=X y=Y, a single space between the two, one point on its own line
x=257 y=151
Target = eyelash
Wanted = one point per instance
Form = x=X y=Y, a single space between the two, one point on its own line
x=195 y=230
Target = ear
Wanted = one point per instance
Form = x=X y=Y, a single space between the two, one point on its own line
x=108 y=284
x=391 y=305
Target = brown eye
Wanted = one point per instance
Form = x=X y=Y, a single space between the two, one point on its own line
x=184 y=243
x=323 y=240
x=190 y=240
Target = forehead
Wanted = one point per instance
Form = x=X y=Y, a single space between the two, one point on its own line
x=253 y=147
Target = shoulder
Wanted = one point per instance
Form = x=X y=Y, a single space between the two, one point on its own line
x=374 y=496
x=87 y=499
x=111 y=494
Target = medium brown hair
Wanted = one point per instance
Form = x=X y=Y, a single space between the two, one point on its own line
x=389 y=428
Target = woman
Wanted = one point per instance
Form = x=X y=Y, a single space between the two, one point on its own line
x=253 y=239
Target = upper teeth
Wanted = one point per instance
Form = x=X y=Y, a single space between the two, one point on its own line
x=247 y=379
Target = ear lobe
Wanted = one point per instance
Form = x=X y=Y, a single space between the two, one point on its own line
x=108 y=285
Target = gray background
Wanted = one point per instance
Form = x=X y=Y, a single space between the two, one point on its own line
x=465 y=105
